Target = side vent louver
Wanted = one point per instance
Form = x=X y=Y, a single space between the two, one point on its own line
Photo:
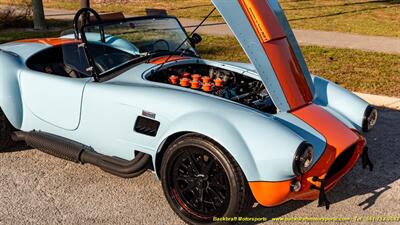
x=146 y=126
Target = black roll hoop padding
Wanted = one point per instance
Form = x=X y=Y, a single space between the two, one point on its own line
x=76 y=21
x=79 y=153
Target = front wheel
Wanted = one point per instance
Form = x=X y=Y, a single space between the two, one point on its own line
x=6 y=130
x=202 y=181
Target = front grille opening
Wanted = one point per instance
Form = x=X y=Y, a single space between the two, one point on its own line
x=341 y=161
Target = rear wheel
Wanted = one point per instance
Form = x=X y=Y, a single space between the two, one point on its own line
x=6 y=130
x=202 y=181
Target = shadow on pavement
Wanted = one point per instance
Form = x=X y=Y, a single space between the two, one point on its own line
x=384 y=145
x=19 y=147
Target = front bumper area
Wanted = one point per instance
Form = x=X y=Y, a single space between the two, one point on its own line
x=331 y=167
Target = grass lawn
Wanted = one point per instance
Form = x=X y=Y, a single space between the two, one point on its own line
x=18 y=34
x=361 y=71
x=371 y=17
x=56 y=27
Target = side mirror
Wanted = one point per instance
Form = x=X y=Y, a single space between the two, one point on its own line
x=196 y=39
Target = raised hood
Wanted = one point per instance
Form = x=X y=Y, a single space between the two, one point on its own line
x=264 y=33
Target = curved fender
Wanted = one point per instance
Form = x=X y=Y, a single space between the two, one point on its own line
x=263 y=147
x=10 y=95
x=340 y=102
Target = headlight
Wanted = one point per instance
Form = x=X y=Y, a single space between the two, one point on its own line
x=370 y=118
x=303 y=159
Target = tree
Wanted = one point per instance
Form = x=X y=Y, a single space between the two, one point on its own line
x=85 y=4
x=38 y=15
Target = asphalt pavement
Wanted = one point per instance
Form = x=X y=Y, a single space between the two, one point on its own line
x=36 y=188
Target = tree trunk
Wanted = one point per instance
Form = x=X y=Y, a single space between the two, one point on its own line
x=85 y=16
x=85 y=3
x=38 y=15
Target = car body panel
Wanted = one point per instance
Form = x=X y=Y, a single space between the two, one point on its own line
x=276 y=7
x=62 y=96
x=24 y=49
x=10 y=94
x=340 y=100
x=305 y=131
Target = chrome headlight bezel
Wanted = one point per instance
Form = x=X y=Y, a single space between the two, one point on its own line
x=303 y=159
x=370 y=118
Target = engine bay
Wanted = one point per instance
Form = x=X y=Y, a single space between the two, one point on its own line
x=220 y=82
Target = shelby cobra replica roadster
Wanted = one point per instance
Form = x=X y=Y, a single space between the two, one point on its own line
x=133 y=94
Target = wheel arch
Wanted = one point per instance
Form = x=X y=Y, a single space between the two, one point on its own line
x=248 y=149
x=345 y=105
x=231 y=141
x=163 y=148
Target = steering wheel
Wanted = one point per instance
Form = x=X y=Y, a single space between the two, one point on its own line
x=161 y=41
x=87 y=11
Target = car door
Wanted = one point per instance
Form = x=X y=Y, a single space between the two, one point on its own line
x=53 y=99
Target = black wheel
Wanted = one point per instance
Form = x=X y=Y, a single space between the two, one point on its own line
x=6 y=130
x=202 y=181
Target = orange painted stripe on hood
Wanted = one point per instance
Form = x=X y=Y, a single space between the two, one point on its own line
x=289 y=73
x=263 y=20
x=276 y=45
x=51 y=41
x=338 y=138
x=337 y=134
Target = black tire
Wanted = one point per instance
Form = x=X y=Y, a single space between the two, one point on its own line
x=224 y=188
x=6 y=130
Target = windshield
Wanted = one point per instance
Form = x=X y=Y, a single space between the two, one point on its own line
x=114 y=44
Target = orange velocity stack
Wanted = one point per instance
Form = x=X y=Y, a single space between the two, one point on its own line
x=185 y=82
x=196 y=77
x=207 y=87
x=173 y=79
x=186 y=75
x=195 y=84
x=218 y=82
x=206 y=79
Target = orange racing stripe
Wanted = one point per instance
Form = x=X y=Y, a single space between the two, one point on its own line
x=276 y=45
x=336 y=133
x=338 y=137
x=51 y=41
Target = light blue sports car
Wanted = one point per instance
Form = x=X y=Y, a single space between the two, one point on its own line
x=133 y=95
